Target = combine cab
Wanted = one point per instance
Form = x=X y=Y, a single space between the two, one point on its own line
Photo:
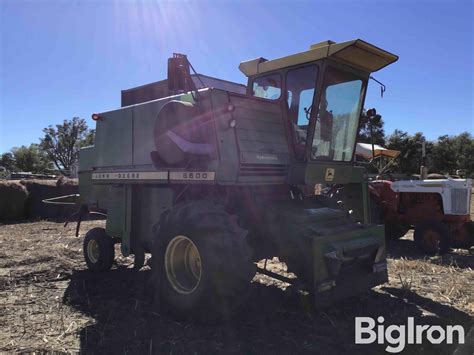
x=210 y=179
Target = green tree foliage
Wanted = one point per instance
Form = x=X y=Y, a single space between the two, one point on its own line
x=62 y=142
x=409 y=160
x=7 y=160
x=24 y=158
x=446 y=155
x=451 y=153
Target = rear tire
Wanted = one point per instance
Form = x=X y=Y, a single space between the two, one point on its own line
x=99 y=251
x=432 y=237
x=201 y=262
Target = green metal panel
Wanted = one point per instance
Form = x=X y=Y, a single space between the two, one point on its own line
x=340 y=243
x=115 y=204
x=342 y=173
x=89 y=193
x=87 y=158
x=113 y=140
x=149 y=202
x=133 y=210
x=118 y=205
x=86 y=161
x=246 y=144
x=144 y=117
x=356 y=199
x=127 y=221
x=261 y=126
x=252 y=119
x=226 y=139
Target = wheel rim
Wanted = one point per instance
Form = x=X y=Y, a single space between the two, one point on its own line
x=93 y=251
x=431 y=241
x=183 y=264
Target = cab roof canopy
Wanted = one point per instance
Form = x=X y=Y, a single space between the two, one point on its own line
x=356 y=53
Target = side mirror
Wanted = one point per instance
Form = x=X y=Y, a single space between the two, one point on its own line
x=371 y=112
x=373 y=117
x=178 y=73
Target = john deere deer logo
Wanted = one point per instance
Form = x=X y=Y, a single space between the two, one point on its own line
x=329 y=174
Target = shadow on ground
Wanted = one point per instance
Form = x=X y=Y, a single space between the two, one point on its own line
x=272 y=321
x=406 y=248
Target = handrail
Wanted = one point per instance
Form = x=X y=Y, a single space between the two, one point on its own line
x=54 y=200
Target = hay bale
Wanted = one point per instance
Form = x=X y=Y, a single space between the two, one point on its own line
x=13 y=196
x=67 y=183
x=43 y=189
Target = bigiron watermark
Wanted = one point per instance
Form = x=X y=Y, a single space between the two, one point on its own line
x=398 y=336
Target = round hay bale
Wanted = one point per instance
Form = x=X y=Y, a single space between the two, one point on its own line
x=64 y=180
x=13 y=196
x=67 y=185
x=40 y=190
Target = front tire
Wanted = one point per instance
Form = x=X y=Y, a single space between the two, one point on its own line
x=432 y=237
x=99 y=251
x=201 y=262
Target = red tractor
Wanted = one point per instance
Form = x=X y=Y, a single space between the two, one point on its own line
x=437 y=209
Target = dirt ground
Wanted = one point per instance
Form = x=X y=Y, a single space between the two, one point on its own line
x=50 y=302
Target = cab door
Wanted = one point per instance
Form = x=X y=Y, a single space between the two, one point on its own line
x=301 y=90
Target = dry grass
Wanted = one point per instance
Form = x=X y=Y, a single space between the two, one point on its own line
x=448 y=279
x=48 y=301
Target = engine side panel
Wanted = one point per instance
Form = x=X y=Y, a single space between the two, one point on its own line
x=261 y=139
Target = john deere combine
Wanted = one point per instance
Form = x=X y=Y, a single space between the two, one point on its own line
x=210 y=176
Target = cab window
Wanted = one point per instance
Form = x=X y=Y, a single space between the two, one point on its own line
x=338 y=116
x=301 y=84
x=267 y=87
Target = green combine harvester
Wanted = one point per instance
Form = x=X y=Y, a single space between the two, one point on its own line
x=210 y=177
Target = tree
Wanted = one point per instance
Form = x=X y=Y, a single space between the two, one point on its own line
x=7 y=160
x=62 y=142
x=451 y=153
x=364 y=134
x=30 y=159
x=410 y=147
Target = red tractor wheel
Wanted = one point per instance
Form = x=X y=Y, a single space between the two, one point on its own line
x=432 y=237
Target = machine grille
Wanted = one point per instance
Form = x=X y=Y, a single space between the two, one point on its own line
x=459 y=201
x=263 y=170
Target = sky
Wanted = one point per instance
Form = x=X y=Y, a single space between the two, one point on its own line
x=60 y=59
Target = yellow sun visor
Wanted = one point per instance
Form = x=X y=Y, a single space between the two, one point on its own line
x=357 y=53
x=365 y=150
